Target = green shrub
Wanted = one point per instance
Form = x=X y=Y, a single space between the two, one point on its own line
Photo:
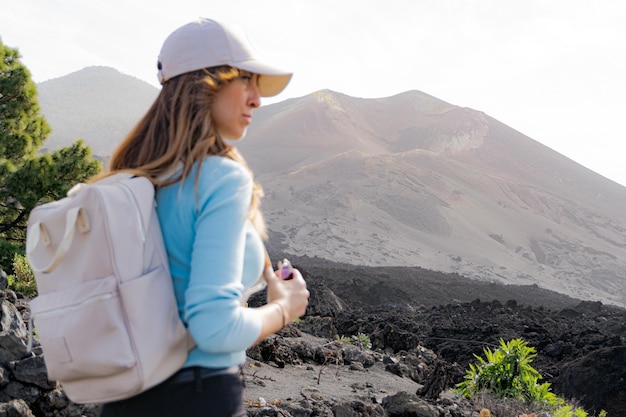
x=506 y=373
x=7 y=252
x=361 y=340
x=22 y=280
x=569 y=411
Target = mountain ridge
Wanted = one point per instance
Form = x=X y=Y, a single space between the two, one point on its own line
x=446 y=182
x=98 y=104
x=411 y=180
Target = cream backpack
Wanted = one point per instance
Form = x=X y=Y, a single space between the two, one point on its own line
x=105 y=314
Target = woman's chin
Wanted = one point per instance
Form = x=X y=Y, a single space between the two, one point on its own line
x=234 y=137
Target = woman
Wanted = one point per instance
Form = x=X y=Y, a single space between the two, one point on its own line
x=208 y=206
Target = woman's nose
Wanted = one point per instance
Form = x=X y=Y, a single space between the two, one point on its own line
x=254 y=98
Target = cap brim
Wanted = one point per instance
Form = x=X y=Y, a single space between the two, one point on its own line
x=271 y=85
x=272 y=80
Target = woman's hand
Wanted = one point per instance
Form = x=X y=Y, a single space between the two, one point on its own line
x=291 y=294
x=286 y=301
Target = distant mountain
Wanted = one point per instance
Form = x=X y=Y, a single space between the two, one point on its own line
x=408 y=180
x=413 y=180
x=97 y=104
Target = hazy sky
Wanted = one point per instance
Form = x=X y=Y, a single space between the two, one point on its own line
x=554 y=70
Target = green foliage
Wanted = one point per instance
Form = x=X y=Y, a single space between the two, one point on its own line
x=22 y=128
x=23 y=279
x=27 y=178
x=7 y=250
x=361 y=340
x=506 y=373
x=569 y=411
x=579 y=412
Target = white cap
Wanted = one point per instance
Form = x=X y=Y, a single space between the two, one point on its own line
x=205 y=43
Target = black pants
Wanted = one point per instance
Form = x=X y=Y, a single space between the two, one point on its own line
x=196 y=396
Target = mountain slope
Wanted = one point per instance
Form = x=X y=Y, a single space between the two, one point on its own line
x=97 y=104
x=408 y=180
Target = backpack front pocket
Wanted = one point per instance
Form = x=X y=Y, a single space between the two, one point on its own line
x=83 y=332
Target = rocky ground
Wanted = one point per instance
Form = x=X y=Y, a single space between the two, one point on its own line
x=427 y=327
x=424 y=328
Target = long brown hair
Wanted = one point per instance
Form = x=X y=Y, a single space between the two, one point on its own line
x=178 y=128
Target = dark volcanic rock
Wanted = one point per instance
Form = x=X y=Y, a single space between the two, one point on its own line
x=597 y=380
x=562 y=336
x=581 y=350
x=405 y=404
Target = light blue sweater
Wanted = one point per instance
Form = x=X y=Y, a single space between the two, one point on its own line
x=214 y=254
